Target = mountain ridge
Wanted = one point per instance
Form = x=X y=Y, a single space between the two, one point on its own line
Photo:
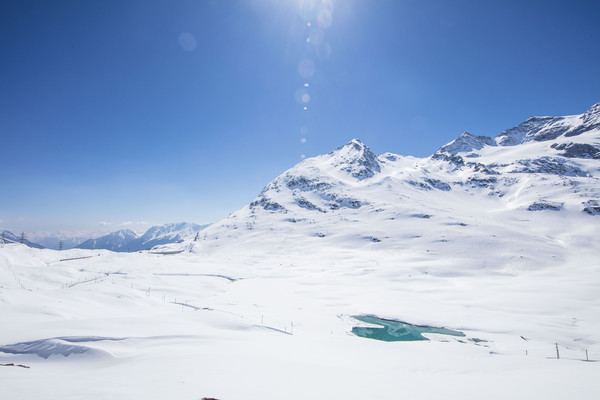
x=114 y=241
x=351 y=197
x=127 y=241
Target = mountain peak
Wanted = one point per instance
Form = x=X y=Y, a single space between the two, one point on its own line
x=591 y=118
x=356 y=159
x=466 y=142
x=356 y=143
x=595 y=109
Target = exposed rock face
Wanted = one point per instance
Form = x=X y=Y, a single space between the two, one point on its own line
x=438 y=184
x=592 y=207
x=549 y=128
x=267 y=204
x=454 y=159
x=541 y=206
x=548 y=165
x=578 y=150
x=535 y=128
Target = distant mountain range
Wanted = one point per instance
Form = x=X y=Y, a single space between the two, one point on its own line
x=9 y=237
x=121 y=241
x=164 y=234
x=114 y=241
x=127 y=240
x=57 y=240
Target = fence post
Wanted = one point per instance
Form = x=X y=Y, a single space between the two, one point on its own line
x=557 y=354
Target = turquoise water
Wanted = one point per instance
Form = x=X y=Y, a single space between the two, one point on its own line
x=396 y=331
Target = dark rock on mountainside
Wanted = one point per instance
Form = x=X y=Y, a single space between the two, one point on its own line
x=578 y=150
x=541 y=206
x=267 y=204
x=453 y=159
x=534 y=128
x=548 y=165
x=549 y=128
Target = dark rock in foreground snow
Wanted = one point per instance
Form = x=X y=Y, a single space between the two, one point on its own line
x=592 y=207
x=541 y=206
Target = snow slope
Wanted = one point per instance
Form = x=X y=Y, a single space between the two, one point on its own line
x=496 y=240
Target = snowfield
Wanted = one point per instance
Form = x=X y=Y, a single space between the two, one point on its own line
x=150 y=326
x=495 y=238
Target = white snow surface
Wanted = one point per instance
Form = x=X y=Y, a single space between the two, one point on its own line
x=494 y=241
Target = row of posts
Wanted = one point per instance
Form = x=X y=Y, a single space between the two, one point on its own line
x=587 y=358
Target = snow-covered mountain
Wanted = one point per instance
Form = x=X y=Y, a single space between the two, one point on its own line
x=165 y=234
x=127 y=240
x=543 y=129
x=115 y=241
x=9 y=237
x=354 y=198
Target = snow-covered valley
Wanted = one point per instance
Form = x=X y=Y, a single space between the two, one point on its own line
x=493 y=237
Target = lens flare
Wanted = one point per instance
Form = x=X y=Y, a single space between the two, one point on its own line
x=324 y=19
x=187 y=41
x=302 y=96
x=306 y=68
x=324 y=50
x=315 y=37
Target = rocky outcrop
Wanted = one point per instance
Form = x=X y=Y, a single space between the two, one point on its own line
x=578 y=150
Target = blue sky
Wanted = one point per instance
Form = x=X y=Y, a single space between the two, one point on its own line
x=129 y=113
